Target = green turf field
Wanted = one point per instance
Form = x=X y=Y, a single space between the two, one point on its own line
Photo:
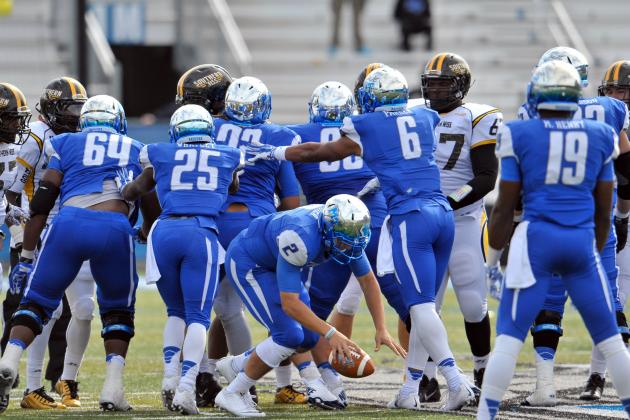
x=144 y=366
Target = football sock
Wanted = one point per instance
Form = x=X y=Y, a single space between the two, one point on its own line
x=194 y=348
x=77 y=338
x=35 y=357
x=283 y=376
x=598 y=362
x=329 y=375
x=174 y=331
x=544 y=365
x=241 y=384
x=308 y=372
x=618 y=358
x=498 y=375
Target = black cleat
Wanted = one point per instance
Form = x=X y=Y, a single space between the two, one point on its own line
x=429 y=390
x=478 y=374
x=594 y=388
x=254 y=394
x=207 y=389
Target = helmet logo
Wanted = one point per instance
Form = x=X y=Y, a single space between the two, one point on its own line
x=4 y=102
x=209 y=80
x=53 y=93
x=457 y=68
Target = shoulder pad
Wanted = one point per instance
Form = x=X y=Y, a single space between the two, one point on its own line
x=479 y=111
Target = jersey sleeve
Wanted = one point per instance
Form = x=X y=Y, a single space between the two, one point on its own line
x=485 y=128
x=289 y=276
x=510 y=170
x=361 y=266
x=292 y=248
x=348 y=129
x=52 y=150
x=26 y=160
x=145 y=161
x=613 y=151
x=287 y=181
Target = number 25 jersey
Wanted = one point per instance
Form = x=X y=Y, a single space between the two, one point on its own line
x=192 y=179
x=558 y=163
x=399 y=147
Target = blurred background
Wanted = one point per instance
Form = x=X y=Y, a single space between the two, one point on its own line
x=136 y=50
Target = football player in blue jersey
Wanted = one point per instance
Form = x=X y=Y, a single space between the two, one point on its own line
x=267 y=264
x=398 y=145
x=547 y=329
x=192 y=177
x=81 y=172
x=563 y=170
x=330 y=103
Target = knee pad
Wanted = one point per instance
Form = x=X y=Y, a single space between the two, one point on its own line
x=117 y=325
x=272 y=353
x=310 y=340
x=474 y=307
x=350 y=299
x=31 y=316
x=622 y=323
x=291 y=338
x=548 y=322
x=83 y=309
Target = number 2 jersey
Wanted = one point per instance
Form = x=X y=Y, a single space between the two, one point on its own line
x=322 y=180
x=558 y=163
x=89 y=161
x=192 y=179
x=258 y=182
x=399 y=147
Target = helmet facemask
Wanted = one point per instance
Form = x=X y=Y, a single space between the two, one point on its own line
x=442 y=93
x=14 y=126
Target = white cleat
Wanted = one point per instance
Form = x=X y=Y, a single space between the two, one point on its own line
x=410 y=402
x=241 y=405
x=113 y=396
x=543 y=396
x=341 y=395
x=463 y=397
x=7 y=377
x=184 y=401
x=169 y=385
x=226 y=368
x=319 y=396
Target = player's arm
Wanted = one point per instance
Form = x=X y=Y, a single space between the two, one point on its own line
x=327 y=152
x=603 y=195
x=150 y=208
x=140 y=186
x=288 y=188
x=43 y=201
x=26 y=161
x=485 y=167
x=622 y=163
x=235 y=185
x=372 y=292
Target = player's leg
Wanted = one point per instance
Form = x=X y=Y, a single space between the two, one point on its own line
x=58 y=262
x=57 y=345
x=592 y=296
x=422 y=243
x=467 y=272
x=35 y=395
x=198 y=278
x=207 y=386
x=80 y=296
x=228 y=308
x=623 y=261
x=114 y=271
x=429 y=390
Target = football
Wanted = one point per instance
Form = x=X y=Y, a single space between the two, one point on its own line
x=360 y=366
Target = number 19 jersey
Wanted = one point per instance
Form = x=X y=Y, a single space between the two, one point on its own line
x=399 y=148
x=191 y=179
x=558 y=163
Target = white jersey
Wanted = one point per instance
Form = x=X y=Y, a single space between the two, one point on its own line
x=32 y=162
x=8 y=154
x=468 y=126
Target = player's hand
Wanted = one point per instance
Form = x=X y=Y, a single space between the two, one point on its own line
x=494 y=280
x=123 y=177
x=621 y=229
x=19 y=275
x=256 y=151
x=369 y=188
x=16 y=215
x=383 y=337
x=341 y=346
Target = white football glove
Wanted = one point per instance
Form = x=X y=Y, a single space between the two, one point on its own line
x=16 y=215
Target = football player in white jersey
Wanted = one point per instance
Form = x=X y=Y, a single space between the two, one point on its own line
x=59 y=106
x=465 y=155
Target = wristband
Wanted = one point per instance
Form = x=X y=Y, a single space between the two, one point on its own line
x=279 y=152
x=27 y=254
x=621 y=215
x=330 y=333
x=493 y=256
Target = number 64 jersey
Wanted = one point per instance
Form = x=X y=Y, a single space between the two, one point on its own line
x=459 y=131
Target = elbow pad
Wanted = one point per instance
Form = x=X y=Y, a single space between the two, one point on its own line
x=44 y=199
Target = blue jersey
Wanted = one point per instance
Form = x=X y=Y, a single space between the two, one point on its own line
x=322 y=180
x=90 y=157
x=598 y=108
x=191 y=179
x=558 y=163
x=399 y=147
x=258 y=182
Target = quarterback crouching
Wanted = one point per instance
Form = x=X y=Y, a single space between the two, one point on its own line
x=265 y=264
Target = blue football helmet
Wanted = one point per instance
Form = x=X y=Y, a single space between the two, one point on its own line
x=384 y=89
x=330 y=103
x=568 y=55
x=555 y=86
x=346 y=227
x=248 y=101
x=191 y=124
x=103 y=111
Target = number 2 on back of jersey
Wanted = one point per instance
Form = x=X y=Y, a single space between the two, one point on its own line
x=409 y=140
x=566 y=147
